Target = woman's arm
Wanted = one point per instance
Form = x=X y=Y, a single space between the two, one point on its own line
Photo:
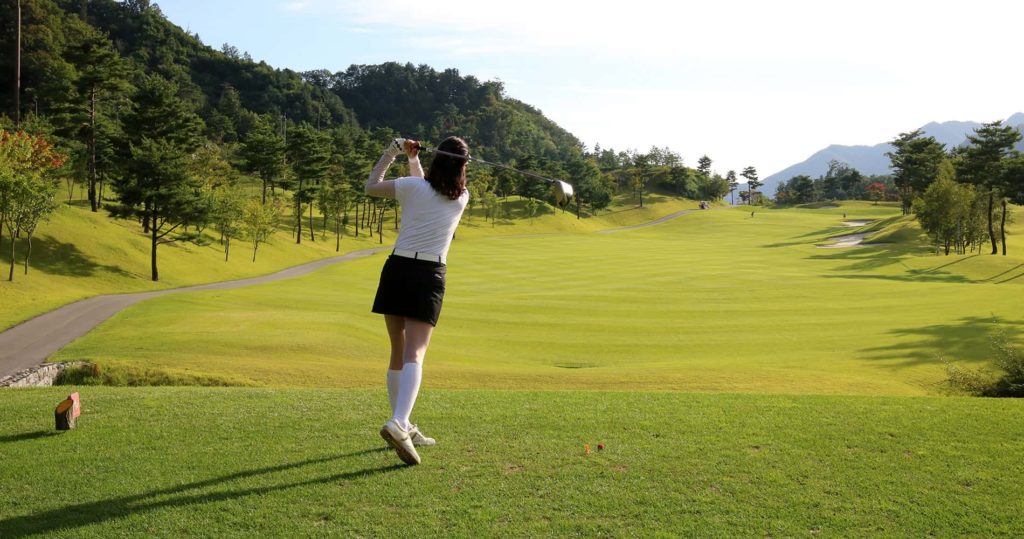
x=415 y=168
x=376 y=185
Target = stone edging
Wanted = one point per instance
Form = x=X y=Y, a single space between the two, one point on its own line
x=38 y=376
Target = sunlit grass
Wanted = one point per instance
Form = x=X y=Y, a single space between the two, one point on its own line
x=712 y=301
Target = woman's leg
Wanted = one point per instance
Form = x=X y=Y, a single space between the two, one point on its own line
x=396 y=332
x=417 y=338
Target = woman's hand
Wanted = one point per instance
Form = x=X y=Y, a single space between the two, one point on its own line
x=411 y=147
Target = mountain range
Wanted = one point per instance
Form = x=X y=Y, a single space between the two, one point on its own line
x=871 y=160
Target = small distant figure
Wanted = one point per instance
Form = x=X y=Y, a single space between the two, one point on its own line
x=844 y=215
x=751 y=214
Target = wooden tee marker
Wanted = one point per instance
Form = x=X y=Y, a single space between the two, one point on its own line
x=67 y=412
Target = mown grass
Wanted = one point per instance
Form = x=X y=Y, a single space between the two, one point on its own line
x=79 y=254
x=170 y=462
x=713 y=301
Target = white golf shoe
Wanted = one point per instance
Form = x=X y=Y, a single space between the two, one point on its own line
x=418 y=438
x=401 y=441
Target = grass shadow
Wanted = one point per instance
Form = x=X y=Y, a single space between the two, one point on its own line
x=55 y=257
x=802 y=238
x=88 y=513
x=1011 y=270
x=860 y=260
x=10 y=438
x=967 y=339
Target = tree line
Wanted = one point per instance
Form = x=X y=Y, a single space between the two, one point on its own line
x=840 y=182
x=158 y=128
x=961 y=196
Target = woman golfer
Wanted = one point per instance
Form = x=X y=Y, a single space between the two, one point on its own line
x=412 y=281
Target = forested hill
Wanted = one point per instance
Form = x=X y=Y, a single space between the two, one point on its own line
x=423 y=103
x=229 y=89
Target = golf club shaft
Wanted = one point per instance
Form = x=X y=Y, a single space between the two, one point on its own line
x=506 y=167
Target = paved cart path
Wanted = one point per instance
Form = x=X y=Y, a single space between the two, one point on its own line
x=29 y=344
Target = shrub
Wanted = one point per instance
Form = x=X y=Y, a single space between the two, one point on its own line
x=985 y=383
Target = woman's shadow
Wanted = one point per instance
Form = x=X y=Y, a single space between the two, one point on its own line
x=84 y=514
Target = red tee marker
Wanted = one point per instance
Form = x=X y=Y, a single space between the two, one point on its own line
x=67 y=412
x=76 y=410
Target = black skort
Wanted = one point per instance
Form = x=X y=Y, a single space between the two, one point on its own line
x=411 y=288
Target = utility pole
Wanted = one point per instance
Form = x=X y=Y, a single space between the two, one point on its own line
x=17 y=75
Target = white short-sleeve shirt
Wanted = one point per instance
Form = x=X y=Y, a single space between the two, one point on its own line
x=429 y=219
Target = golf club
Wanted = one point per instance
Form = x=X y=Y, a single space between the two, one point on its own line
x=563 y=191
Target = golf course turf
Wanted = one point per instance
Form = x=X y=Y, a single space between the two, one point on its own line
x=743 y=382
x=235 y=462
x=711 y=301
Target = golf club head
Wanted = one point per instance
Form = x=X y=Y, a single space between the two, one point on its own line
x=563 y=192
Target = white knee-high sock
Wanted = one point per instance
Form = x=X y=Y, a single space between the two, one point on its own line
x=393 y=387
x=408 y=388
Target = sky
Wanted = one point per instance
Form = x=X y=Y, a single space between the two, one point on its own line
x=747 y=83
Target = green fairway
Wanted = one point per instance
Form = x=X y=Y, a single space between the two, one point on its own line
x=171 y=462
x=712 y=301
x=79 y=254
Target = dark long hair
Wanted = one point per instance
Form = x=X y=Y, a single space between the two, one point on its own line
x=447 y=174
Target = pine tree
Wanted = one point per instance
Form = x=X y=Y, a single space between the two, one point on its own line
x=157 y=187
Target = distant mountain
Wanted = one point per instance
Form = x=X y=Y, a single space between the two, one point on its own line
x=871 y=160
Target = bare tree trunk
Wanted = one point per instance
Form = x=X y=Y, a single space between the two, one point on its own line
x=93 y=201
x=380 y=223
x=28 y=251
x=10 y=275
x=337 y=234
x=1002 y=227
x=227 y=246
x=154 y=241
x=356 y=222
x=17 y=73
x=264 y=192
x=312 y=233
x=991 y=232
x=298 y=217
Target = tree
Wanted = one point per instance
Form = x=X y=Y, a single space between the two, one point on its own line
x=983 y=162
x=28 y=187
x=733 y=184
x=333 y=198
x=915 y=164
x=942 y=211
x=102 y=76
x=259 y=220
x=704 y=165
x=750 y=173
x=228 y=214
x=801 y=189
x=531 y=206
x=158 y=188
x=263 y=155
x=641 y=173
x=309 y=153
x=875 y=191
